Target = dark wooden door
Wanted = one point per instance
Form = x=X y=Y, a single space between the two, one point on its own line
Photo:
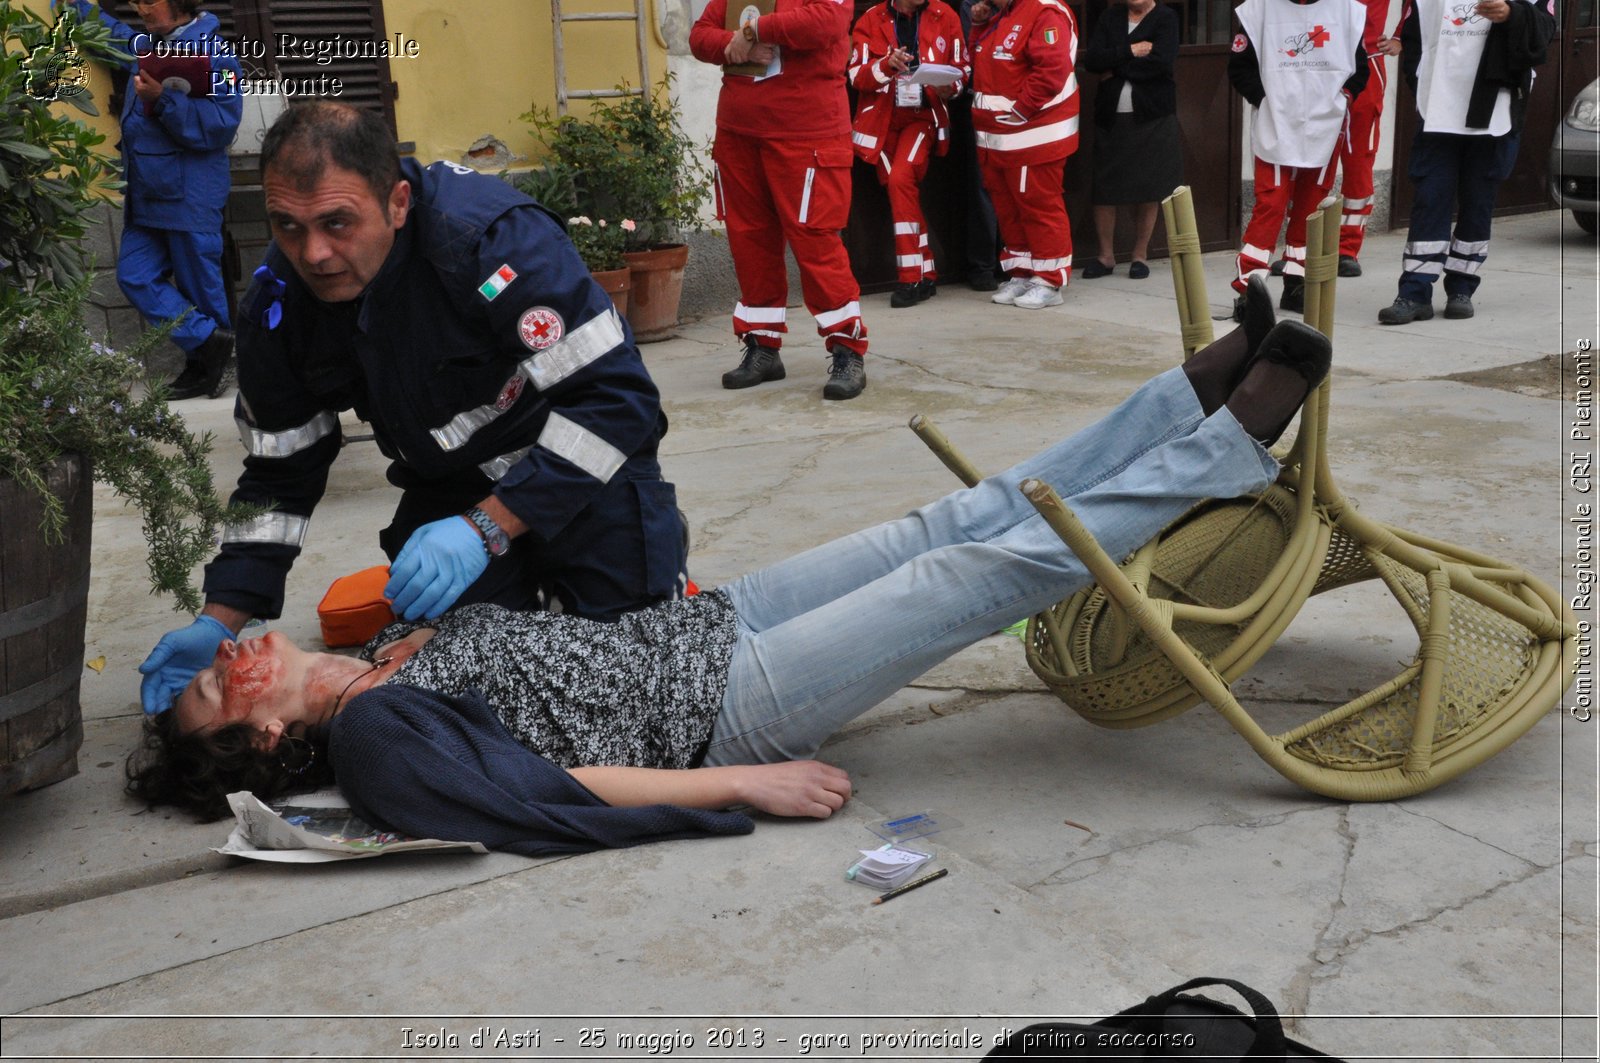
x=1526 y=189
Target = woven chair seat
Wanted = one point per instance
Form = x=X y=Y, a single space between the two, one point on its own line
x=1193 y=610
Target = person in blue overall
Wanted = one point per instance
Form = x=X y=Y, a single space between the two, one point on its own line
x=452 y=314
x=175 y=162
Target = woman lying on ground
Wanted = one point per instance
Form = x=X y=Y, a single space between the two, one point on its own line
x=540 y=732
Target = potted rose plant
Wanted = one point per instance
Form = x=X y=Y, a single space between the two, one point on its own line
x=631 y=158
x=600 y=244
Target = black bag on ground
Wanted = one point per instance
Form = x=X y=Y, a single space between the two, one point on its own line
x=1168 y=1026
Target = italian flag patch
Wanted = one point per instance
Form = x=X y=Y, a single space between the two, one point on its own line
x=1050 y=35
x=497 y=282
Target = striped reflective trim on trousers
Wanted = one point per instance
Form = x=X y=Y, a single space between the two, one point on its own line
x=282 y=444
x=284 y=529
x=829 y=318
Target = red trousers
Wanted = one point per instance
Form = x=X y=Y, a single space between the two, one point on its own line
x=773 y=192
x=901 y=167
x=1035 y=235
x=1281 y=190
x=1356 y=153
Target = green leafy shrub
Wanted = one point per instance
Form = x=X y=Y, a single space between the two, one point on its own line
x=630 y=158
x=50 y=172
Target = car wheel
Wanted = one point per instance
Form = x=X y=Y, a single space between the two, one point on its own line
x=1586 y=220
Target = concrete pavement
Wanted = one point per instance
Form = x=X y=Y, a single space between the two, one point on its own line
x=1474 y=903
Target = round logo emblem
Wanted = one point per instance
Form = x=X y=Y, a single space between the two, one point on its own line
x=509 y=394
x=540 y=327
x=1240 y=42
x=750 y=13
x=940 y=45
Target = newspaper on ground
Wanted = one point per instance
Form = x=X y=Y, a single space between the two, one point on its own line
x=315 y=828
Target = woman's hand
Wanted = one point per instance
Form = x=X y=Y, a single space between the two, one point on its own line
x=1140 y=49
x=794 y=788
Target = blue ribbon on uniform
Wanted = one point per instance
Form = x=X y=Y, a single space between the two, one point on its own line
x=273 y=287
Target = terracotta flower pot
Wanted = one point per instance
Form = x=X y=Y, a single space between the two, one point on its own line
x=617 y=283
x=657 y=290
x=44 y=598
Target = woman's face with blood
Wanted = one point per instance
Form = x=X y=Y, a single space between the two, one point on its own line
x=267 y=682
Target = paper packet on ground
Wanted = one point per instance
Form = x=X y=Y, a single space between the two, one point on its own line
x=315 y=828
x=887 y=867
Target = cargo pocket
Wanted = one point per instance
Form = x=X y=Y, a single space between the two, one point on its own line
x=825 y=196
x=158 y=175
x=665 y=539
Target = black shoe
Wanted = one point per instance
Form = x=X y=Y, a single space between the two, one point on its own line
x=215 y=355
x=1216 y=369
x=1459 y=306
x=905 y=295
x=1138 y=270
x=983 y=281
x=848 y=376
x=1294 y=295
x=1348 y=266
x=1095 y=269
x=1276 y=269
x=191 y=383
x=759 y=365
x=1403 y=312
x=926 y=289
x=1268 y=397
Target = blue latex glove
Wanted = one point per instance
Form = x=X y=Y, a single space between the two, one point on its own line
x=177 y=658
x=438 y=562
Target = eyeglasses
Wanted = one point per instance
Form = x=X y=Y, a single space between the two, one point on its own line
x=147 y=3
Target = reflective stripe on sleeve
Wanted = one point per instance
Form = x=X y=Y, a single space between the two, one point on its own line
x=495 y=468
x=586 y=344
x=284 y=529
x=582 y=447
x=289 y=441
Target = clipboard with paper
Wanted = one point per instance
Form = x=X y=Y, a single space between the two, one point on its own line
x=740 y=13
x=933 y=75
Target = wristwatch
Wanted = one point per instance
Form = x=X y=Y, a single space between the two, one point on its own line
x=495 y=540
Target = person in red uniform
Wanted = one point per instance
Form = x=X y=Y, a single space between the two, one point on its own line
x=1025 y=117
x=783 y=157
x=1359 y=147
x=899 y=125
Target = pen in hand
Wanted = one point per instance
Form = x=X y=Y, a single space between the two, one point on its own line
x=909 y=886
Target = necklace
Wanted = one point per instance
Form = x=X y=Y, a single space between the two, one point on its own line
x=379 y=663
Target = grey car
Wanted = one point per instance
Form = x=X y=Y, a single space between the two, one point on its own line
x=1575 y=158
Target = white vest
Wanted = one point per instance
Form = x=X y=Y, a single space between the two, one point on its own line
x=1452 y=43
x=1306 y=53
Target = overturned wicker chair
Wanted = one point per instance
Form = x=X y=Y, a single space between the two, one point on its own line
x=1195 y=608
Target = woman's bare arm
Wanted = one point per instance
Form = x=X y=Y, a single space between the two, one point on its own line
x=792 y=788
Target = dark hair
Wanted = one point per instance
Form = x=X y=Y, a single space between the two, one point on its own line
x=197 y=772
x=309 y=136
x=185 y=7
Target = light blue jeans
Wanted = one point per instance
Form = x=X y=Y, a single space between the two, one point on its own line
x=831 y=632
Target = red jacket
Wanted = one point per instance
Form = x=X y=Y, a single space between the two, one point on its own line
x=1025 y=103
x=806 y=98
x=939 y=40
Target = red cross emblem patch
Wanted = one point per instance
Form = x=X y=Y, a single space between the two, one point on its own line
x=509 y=394
x=1319 y=36
x=540 y=327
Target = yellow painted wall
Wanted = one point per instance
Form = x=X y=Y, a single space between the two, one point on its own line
x=99 y=82
x=481 y=65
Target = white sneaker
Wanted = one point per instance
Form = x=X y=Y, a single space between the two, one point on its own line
x=1038 y=296
x=1009 y=291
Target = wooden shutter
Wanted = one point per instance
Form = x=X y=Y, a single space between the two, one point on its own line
x=259 y=23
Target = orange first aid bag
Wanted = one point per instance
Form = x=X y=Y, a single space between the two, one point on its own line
x=354 y=608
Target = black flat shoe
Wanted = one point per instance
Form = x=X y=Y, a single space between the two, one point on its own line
x=1216 y=369
x=1292 y=360
x=1097 y=269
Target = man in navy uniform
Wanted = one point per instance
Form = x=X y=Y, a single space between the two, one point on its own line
x=451 y=313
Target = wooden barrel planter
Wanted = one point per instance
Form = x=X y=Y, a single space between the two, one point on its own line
x=44 y=599
x=657 y=291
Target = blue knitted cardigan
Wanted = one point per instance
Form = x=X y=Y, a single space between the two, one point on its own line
x=430 y=765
